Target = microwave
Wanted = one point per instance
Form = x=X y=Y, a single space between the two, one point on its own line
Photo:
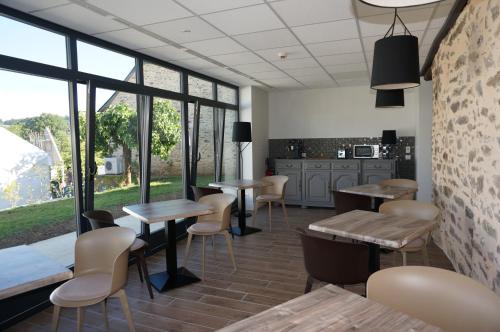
x=366 y=151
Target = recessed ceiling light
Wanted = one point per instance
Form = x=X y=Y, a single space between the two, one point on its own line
x=186 y=30
x=398 y=3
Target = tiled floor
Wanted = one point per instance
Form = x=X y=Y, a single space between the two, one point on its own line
x=270 y=271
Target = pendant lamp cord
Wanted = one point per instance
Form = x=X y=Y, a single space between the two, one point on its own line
x=393 y=25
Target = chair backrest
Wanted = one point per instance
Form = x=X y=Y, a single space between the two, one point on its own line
x=100 y=219
x=404 y=183
x=439 y=297
x=278 y=187
x=221 y=205
x=410 y=208
x=335 y=262
x=105 y=251
x=199 y=192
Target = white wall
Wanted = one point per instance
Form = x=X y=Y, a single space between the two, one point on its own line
x=423 y=144
x=338 y=112
x=254 y=108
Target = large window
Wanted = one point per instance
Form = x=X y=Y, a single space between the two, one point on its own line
x=36 y=179
x=200 y=88
x=161 y=77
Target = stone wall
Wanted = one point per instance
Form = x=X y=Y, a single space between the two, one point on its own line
x=466 y=142
x=160 y=77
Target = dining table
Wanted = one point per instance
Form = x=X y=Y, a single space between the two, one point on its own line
x=360 y=197
x=241 y=186
x=375 y=229
x=169 y=212
x=331 y=308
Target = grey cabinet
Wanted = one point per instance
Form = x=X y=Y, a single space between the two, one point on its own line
x=342 y=180
x=375 y=171
x=293 y=189
x=317 y=189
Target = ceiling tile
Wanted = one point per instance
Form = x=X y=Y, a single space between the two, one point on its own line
x=194 y=63
x=237 y=58
x=340 y=59
x=414 y=20
x=440 y=16
x=321 y=84
x=144 y=11
x=130 y=38
x=30 y=5
x=335 y=47
x=80 y=18
x=296 y=63
x=346 y=68
x=316 y=33
x=351 y=75
x=185 y=30
x=292 y=52
x=314 y=71
x=205 y=7
x=268 y=39
x=254 y=68
x=215 y=46
x=353 y=82
x=295 y=13
x=245 y=20
x=283 y=83
x=167 y=53
x=270 y=74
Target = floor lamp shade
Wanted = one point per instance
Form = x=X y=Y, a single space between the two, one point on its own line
x=398 y=3
x=395 y=63
x=242 y=132
x=390 y=98
x=389 y=137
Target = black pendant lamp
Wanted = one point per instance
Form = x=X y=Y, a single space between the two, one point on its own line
x=398 y=3
x=395 y=60
x=390 y=98
x=242 y=132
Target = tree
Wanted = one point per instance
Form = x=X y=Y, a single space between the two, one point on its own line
x=117 y=127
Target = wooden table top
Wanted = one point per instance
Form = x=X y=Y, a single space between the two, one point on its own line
x=240 y=184
x=151 y=213
x=376 y=190
x=330 y=308
x=387 y=230
x=24 y=269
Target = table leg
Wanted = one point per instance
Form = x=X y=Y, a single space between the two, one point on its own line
x=345 y=202
x=242 y=228
x=174 y=277
x=374 y=257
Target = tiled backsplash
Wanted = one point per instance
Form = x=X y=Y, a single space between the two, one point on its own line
x=326 y=148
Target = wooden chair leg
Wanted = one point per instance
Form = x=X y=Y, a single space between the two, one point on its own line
x=425 y=255
x=55 y=318
x=309 y=284
x=285 y=213
x=404 y=258
x=188 y=245
x=254 y=214
x=138 y=263
x=230 y=249
x=126 y=310
x=80 y=314
x=213 y=247
x=269 y=204
x=105 y=314
x=144 y=268
x=203 y=258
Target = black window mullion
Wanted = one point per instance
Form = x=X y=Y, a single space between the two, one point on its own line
x=90 y=165
x=194 y=143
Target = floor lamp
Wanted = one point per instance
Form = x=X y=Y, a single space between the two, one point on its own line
x=242 y=132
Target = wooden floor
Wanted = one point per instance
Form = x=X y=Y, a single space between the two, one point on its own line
x=270 y=271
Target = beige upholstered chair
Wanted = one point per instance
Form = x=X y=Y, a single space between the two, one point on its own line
x=101 y=266
x=405 y=183
x=410 y=208
x=212 y=224
x=270 y=194
x=442 y=298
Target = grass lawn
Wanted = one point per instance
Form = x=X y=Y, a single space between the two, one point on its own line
x=26 y=218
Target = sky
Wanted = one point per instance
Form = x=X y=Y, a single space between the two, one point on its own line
x=24 y=96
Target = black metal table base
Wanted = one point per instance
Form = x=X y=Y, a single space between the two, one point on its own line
x=248 y=230
x=162 y=281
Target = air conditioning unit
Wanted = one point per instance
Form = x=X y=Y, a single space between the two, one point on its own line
x=113 y=165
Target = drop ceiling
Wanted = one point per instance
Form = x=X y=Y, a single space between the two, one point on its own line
x=329 y=43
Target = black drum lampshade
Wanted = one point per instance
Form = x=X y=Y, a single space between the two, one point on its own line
x=390 y=98
x=242 y=132
x=395 y=63
x=389 y=137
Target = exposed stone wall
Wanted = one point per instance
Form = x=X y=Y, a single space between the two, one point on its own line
x=466 y=142
x=160 y=77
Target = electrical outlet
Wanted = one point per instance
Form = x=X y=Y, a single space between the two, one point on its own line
x=408 y=149
x=408 y=156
